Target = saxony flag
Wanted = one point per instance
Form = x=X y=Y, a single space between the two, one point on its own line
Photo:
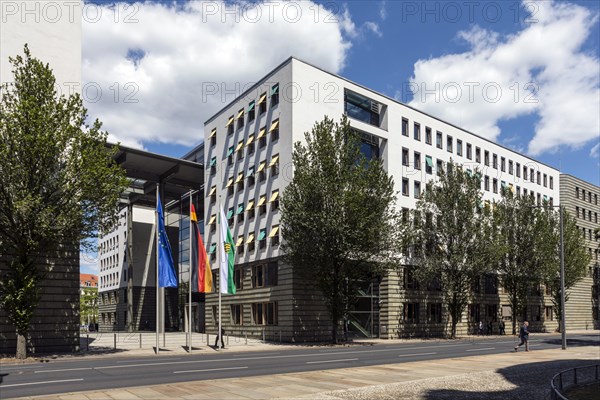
x=226 y=283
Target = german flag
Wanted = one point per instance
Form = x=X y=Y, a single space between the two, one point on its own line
x=202 y=281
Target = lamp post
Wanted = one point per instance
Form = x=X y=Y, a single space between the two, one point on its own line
x=562 y=282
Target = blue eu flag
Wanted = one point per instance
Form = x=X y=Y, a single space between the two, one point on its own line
x=166 y=267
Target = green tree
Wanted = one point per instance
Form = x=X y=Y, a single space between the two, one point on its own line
x=59 y=184
x=88 y=305
x=526 y=247
x=337 y=215
x=452 y=237
x=576 y=259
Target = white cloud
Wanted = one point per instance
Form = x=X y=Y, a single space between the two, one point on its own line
x=88 y=262
x=152 y=70
x=541 y=70
x=382 y=11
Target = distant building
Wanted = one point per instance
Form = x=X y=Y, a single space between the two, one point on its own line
x=88 y=298
x=580 y=199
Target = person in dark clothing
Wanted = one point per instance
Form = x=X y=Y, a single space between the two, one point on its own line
x=501 y=328
x=524 y=335
x=217 y=339
x=490 y=328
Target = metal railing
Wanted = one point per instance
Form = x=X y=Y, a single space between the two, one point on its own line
x=572 y=378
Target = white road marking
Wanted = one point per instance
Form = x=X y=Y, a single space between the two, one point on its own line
x=130 y=361
x=416 y=354
x=429 y=347
x=41 y=383
x=331 y=361
x=61 y=370
x=482 y=349
x=17 y=368
x=207 y=370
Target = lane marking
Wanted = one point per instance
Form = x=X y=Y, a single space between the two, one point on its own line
x=482 y=349
x=61 y=370
x=417 y=354
x=142 y=360
x=207 y=370
x=18 y=368
x=331 y=361
x=429 y=347
x=41 y=383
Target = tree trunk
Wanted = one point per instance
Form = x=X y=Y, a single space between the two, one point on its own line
x=21 y=347
x=453 y=332
x=334 y=330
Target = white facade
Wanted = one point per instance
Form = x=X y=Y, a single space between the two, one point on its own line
x=52 y=29
x=306 y=95
x=111 y=253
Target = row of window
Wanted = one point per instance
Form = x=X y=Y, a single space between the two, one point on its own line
x=434 y=313
x=109 y=280
x=239 y=181
x=264 y=313
x=236 y=121
x=588 y=234
x=246 y=147
x=582 y=215
x=583 y=195
x=109 y=262
x=248 y=244
x=514 y=168
x=237 y=214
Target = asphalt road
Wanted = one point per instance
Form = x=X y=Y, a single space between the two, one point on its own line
x=115 y=372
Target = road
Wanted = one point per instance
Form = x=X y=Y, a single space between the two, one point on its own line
x=117 y=372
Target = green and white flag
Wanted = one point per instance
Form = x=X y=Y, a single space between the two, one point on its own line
x=226 y=284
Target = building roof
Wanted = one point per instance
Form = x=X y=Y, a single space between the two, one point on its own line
x=91 y=278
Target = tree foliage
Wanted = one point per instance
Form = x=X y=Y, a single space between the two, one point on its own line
x=527 y=238
x=452 y=237
x=337 y=215
x=59 y=183
x=88 y=305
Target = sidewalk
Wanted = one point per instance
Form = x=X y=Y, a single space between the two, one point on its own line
x=502 y=376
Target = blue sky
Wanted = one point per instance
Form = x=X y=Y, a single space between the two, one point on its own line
x=541 y=51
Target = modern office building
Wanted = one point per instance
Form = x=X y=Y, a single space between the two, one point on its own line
x=88 y=299
x=248 y=150
x=580 y=199
x=127 y=254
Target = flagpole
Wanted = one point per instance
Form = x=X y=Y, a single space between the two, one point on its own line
x=219 y=247
x=157 y=286
x=190 y=284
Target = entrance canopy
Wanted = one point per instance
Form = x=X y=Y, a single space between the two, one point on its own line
x=144 y=170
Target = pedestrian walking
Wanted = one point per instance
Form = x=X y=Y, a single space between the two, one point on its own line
x=490 y=328
x=480 y=332
x=524 y=335
x=217 y=339
x=501 y=328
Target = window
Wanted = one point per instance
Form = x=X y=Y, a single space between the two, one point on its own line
x=410 y=282
x=240 y=119
x=230 y=155
x=459 y=150
x=545 y=180
x=274 y=130
x=434 y=312
x=262 y=104
x=486 y=183
x=262 y=205
x=510 y=167
x=274 y=235
x=417 y=189
x=274 y=200
x=576 y=192
x=250 y=176
x=490 y=284
x=439 y=166
x=250 y=241
x=405 y=186
x=250 y=144
x=229 y=126
x=262 y=139
x=477 y=154
x=230 y=216
x=539 y=178
x=361 y=108
x=428 y=164
x=486 y=158
x=274 y=94
x=469 y=151
x=495 y=185
x=502 y=164
x=369 y=146
x=265 y=275
x=473 y=312
x=213 y=165
x=495 y=161
x=438 y=139
x=240 y=150
x=417 y=131
x=213 y=194
x=239 y=246
x=264 y=313
x=213 y=137
x=449 y=143
x=404 y=127
x=427 y=135
x=251 y=112
x=238 y=278
x=405 y=159
x=524 y=172
x=518 y=170
x=531 y=175
x=262 y=238
x=549 y=313
x=411 y=313
x=417 y=160
x=240 y=213
x=261 y=170
x=229 y=186
x=274 y=165
x=236 y=314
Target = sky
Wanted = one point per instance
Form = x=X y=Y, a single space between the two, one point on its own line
x=524 y=74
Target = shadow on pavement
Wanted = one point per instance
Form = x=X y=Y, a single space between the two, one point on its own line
x=532 y=382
